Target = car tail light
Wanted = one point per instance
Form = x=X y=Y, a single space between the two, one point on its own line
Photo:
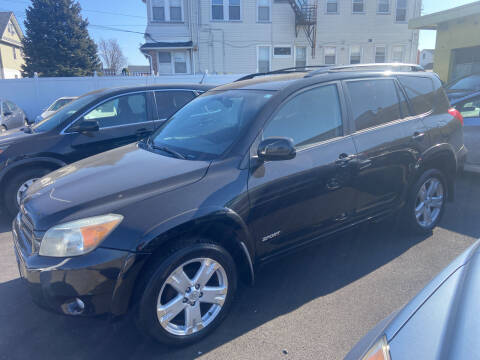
x=456 y=114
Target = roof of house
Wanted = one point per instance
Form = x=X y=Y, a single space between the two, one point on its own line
x=431 y=21
x=5 y=17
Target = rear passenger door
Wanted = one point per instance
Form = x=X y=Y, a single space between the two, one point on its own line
x=389 y=143
x=295 y=200
x=168 y=102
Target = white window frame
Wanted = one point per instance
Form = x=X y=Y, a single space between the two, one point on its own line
x=350 y=54
x=384 y=12
x=336 y=55
x=226 y=12
x=14 y=49
x=258 y=6
x=11 y=28
x=386 y=53
x=406 y=12
x=167 y=13
x=326 y=7
x=172 y=62
x=270 y=52
x=358 y=12
x=403 y=52
x=295 y=54
x=282 y=56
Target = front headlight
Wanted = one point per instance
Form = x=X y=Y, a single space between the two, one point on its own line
x=78 y=237
x=379 y=351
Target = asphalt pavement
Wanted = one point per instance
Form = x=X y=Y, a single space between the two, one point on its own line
x=315 y=304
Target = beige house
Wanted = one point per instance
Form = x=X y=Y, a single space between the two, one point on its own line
x=11 y=53
x=245 y=36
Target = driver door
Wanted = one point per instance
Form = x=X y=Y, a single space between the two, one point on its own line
x=122 y=120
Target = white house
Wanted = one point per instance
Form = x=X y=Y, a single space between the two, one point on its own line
x=426 y=58
x=245 y=36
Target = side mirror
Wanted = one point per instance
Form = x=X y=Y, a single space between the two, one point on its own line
x=276 y=149
x=86 y=126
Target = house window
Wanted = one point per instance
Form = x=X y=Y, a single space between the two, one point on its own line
x=14 y=52
x=173 y=62
x=401 y=13
x=383 y=6
x=263 y=58
x=330 y=55
x=397 y=54
x=167 y=10
x=332 y=6
x=180 y=63
x=11 y=28
x=175 y=10
x=282 y=51
x=358 y=6
x=164 y=62
x=263 y=10
x=228 y=10
x=300 y=56
x=380 y=54
x=355 y=54
x=234 y=10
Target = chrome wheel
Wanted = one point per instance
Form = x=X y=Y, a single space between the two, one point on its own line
x=192 y=296
x=429 y=202
x=23 y=188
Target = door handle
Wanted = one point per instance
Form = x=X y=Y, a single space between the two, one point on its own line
x=344 y=159
x=418 y=135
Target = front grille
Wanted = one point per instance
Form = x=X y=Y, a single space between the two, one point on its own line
x=27 y=228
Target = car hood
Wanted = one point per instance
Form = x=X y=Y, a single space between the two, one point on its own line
x=440 y=322
x=106 y=182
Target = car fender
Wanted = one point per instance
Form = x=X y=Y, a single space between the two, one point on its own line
x=12 y=165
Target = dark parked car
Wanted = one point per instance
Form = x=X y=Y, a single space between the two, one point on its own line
x=463 y=86
x=11 y=116
x=244 y=173
x=469 y=107
x=94 y=123
x=439 y=323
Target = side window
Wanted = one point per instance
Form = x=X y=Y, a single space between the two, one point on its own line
x=420 y=91
x=124 y=110
x=310 y=117
x=470 y=108
x=374 y=102
x=11 y=106
x=169 y=102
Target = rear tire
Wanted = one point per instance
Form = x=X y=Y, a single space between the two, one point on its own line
x=176 y=316
x=14 y=184
x=426 y=202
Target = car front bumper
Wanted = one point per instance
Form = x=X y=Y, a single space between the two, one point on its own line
x=97 y=283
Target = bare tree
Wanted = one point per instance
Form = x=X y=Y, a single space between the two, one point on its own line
x=112 y=55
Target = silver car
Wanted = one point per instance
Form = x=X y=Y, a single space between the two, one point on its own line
x=11 y=116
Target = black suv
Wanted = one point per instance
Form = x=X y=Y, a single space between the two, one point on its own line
x=242 y=174
x=94 y=123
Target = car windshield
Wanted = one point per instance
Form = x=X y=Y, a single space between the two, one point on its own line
x=63 y=113
x=467 y=83
x=205 y=128
x=59 y=104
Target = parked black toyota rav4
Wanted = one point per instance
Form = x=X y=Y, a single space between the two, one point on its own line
x=94 y=123
x=243 y=173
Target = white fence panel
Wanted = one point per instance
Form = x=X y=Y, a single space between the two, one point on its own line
x=33 y=95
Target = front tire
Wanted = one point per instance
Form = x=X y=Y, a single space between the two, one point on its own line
x=426 y=203
x=187 y=294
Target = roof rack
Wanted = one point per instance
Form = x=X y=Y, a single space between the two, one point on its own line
x=369 y=67
x=283 y=71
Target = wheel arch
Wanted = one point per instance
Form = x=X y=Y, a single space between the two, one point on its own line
x=15 y=167
x=219 y=225
x=441 y=157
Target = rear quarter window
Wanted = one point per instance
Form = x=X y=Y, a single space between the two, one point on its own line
x=421 y=91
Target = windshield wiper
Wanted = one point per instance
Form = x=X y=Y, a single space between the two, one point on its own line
x=168 y=150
